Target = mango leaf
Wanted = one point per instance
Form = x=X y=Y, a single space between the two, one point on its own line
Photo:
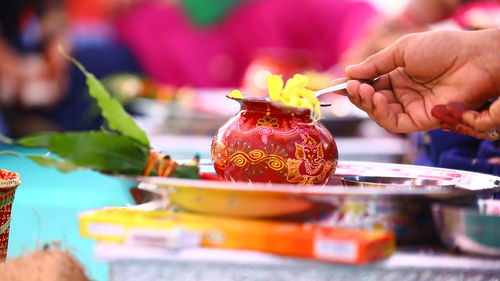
x=41 y=140
x=187 y=172
x=62 y=165
x=11 y=153
x=6 y=139
x=44 y=160
x=118 y=119
x=101 y=151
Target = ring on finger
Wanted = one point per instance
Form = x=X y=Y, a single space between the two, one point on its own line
x=493 y=134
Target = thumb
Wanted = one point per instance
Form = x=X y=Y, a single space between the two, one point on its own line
x=380 y=63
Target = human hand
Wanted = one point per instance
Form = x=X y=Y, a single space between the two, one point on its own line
x=422 y=70
x=37 y=89
x=45 y=76
x=482 y=124
x=56 y=68
x=33 y=80
x=11 y=70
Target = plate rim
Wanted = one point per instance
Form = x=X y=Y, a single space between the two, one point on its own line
x=300 y=190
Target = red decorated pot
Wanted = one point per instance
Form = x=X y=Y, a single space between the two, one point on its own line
x=268 y=142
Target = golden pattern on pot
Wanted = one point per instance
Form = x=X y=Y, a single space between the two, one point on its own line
x=256 y=161
x=309 y=167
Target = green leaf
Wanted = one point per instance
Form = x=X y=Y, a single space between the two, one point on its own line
x=62 y=165
x=40 y=140
x=11 y=153
x=187 y=172
x=100 y=151
x=118 y=119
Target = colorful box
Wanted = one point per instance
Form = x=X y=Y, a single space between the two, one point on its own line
x=177 y=230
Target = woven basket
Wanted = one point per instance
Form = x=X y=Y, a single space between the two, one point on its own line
x=8 y=184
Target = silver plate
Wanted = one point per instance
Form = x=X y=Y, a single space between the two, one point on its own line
x=404 y=209
x=398 y=182
x=463 y=182
x=466 y=229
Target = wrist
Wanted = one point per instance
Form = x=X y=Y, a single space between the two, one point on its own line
x=483 y=48
x=494 y=38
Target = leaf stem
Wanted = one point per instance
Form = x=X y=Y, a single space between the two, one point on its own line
x=6 y=139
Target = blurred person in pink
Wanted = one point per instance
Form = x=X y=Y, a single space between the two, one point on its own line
x=172 y=49
x=424 y=15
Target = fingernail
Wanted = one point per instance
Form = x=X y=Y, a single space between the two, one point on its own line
x=349 y=67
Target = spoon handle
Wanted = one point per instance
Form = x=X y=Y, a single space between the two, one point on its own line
x=342 y=86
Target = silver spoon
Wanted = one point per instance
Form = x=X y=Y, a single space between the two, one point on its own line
x=342 y=86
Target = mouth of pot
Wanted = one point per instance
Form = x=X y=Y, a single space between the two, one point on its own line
x=264 y=99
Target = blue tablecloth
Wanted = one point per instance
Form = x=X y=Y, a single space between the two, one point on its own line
x=47 y=203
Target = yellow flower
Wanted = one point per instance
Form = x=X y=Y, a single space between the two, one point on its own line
x=236 y=94
x=295 y=93
x=274 y=87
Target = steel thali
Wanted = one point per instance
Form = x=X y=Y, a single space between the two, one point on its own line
x=402 y=208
